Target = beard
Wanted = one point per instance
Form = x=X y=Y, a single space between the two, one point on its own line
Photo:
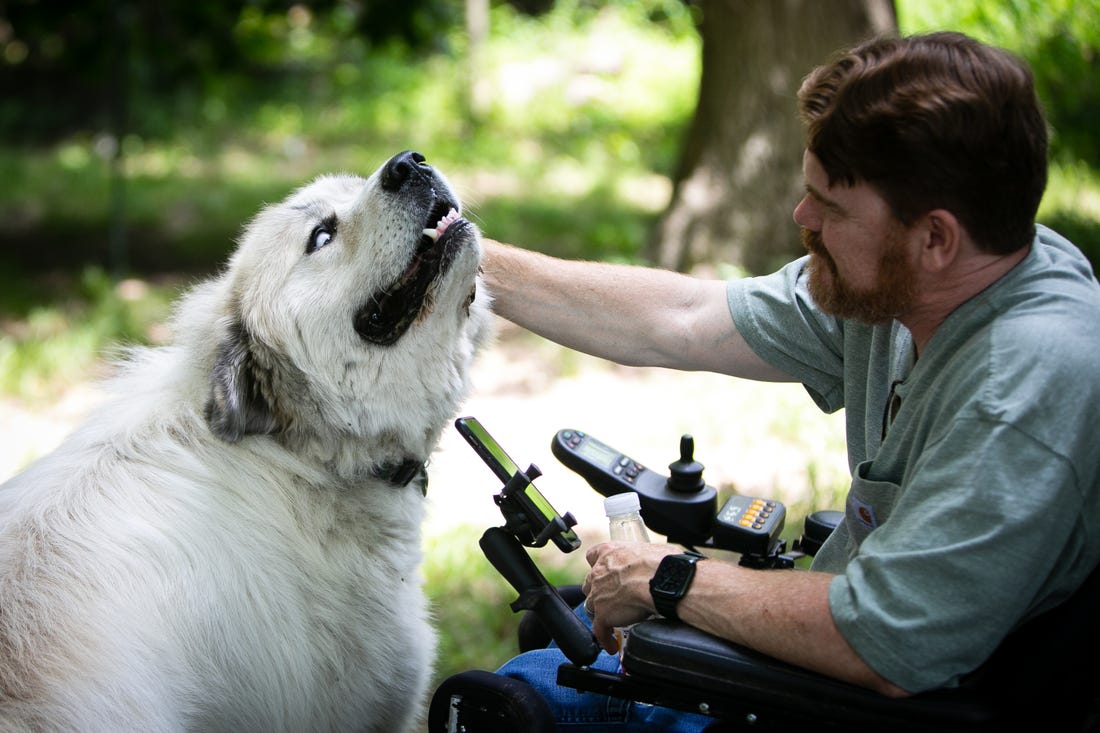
x=889 y=298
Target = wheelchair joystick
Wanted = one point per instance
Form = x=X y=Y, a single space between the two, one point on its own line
x=681 y=506
x=686 y=474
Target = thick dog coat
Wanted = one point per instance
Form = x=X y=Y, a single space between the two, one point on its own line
x=232 y=541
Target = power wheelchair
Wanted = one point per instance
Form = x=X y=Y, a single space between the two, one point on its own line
x=1041 y=677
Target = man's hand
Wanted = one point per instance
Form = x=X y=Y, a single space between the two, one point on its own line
x=617 y=587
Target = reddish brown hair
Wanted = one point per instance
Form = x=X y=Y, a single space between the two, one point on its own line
x=934 y=121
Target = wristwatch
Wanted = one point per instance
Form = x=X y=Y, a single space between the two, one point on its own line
x=671 y=581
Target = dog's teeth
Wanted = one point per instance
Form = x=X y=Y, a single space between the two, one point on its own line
x=441 y=226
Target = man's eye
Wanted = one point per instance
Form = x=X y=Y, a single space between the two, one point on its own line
x=321 y=236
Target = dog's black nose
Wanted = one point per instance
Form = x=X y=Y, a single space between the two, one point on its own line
x=400 y=168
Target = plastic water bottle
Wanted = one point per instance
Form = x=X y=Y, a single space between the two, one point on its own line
x=624 y=524
x=624 y=518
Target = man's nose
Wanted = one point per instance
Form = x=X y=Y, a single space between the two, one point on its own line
x=805 y=214
x=401 y=168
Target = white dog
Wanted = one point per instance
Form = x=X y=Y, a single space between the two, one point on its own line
x=232 y=542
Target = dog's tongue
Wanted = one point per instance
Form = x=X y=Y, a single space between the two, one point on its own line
x=441 y=226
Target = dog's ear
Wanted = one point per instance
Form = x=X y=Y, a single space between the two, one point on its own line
x=237 y=406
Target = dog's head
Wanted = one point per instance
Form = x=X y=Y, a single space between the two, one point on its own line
x=352 y=309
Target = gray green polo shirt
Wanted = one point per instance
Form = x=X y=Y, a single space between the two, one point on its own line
x=981 y=507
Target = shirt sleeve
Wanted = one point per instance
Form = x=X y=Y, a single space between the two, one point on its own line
x=779 y=320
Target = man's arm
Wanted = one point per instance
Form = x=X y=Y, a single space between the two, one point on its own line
x=782 y=613
x=631 y=315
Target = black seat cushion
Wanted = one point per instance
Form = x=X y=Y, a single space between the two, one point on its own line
x=662 y=650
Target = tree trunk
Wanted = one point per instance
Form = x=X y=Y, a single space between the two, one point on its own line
x=740 y=172
x=477 y=31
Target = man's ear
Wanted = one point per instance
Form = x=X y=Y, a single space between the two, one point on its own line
x=237 y=406
x=942 y=240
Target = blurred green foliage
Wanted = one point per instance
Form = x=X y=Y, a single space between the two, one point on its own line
x=1060 y=39
x=583 y=107
x=562 y=130
x=156 y=67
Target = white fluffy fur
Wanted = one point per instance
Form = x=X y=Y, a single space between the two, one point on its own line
x=158 y=575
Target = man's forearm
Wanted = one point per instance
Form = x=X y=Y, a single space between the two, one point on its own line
x=782 y=613
x=631 y=315
x=593 y=307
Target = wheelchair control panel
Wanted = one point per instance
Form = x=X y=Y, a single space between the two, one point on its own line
x=680 y=506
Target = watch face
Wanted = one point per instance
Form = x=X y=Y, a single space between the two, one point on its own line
x=673 y=575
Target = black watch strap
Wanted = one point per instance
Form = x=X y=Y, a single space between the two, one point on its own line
x=666 y=607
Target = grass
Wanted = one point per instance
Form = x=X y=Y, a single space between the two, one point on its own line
x=477 y=629
x=55 y=327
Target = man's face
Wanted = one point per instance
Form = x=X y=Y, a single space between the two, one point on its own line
x=860 y=266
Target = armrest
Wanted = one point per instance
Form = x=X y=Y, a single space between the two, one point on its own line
x=660 y=652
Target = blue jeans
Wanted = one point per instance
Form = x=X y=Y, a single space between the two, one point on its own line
x=589 y=712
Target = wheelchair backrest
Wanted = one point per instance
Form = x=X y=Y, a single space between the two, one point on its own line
x=1050 y=660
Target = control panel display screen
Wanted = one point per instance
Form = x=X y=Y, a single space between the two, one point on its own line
x=597 y=452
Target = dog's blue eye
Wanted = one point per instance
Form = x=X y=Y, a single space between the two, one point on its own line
x=321 y=236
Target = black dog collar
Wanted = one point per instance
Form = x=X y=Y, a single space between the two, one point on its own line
x=402 y=474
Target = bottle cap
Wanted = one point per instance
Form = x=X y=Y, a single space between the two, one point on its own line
x=623 y=503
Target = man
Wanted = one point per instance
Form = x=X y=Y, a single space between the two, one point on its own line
x=960 y=339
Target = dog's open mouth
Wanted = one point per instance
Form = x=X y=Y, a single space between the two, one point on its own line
x=386 y=316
